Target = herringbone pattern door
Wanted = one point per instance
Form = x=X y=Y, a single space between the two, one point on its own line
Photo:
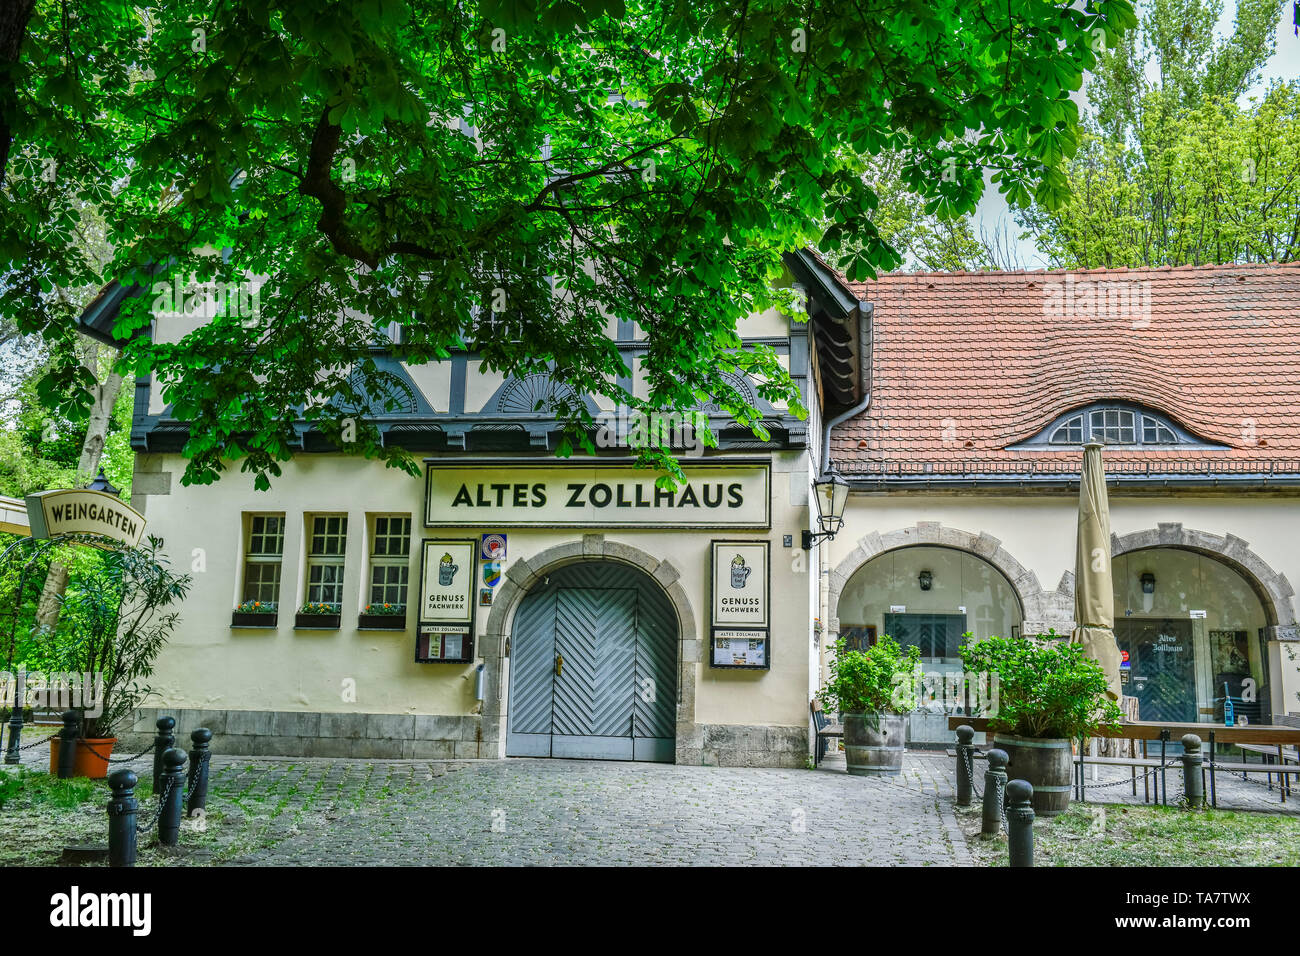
x=593 y=668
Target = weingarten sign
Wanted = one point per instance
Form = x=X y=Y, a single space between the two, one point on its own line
x=511 y=493
x=78 y=511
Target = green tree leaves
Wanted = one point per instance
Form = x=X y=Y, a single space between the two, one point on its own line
x=410 y=164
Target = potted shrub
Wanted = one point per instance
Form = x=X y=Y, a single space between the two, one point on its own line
x=1049 y=694
x=114 y=622
x=322 y=616
x=255 y=614
x=383 y=617
x=873 y=691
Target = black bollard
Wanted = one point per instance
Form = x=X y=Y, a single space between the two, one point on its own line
x=173 y=797
x=1020 y=823
x=199 y=756
x=965 y=764
x=14 y=753
x=121 y=818
x=163 y=742
x=68 y=745
x=1193 y=785
x=995 y=784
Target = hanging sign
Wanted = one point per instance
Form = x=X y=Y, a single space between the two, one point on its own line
x=80 y=511
x=447 y=586
x=599 y=494
x=741 y=613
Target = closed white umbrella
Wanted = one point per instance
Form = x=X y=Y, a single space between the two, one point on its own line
x=1094 y=596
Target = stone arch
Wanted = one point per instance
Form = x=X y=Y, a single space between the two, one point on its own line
x=1040 y=609
x=1273 y=589
x=524 y=572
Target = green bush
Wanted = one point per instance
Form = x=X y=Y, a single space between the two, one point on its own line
x=874 y=681
x=1046 y=686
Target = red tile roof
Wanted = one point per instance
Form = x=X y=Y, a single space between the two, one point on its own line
x=966 y=364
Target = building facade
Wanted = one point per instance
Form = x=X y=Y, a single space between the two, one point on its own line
x=509 y=603
x=965 y=473
x=569 y=608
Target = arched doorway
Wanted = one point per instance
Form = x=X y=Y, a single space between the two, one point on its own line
x=928 y=596
x=593 y=666
x=1194 y=630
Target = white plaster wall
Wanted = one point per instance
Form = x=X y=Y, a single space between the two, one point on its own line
x=209 y=665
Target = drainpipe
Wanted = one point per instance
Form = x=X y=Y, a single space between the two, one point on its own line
x=866 y=353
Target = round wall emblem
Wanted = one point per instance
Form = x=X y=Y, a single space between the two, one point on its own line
x=493 y=547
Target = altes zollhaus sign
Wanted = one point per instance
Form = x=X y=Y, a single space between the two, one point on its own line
x=615 y=495
x=79 y=511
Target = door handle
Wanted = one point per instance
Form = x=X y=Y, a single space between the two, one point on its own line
x=559 y=665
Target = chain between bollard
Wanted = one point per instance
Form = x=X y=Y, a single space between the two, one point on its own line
x=89 y=746
x=162 y=802
x=1141 y=776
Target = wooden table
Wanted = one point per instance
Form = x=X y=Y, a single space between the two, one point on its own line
x=1173 y=732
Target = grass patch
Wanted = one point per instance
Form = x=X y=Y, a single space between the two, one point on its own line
x=1116 y=834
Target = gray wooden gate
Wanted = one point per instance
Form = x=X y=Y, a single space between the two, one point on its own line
x=593 y=664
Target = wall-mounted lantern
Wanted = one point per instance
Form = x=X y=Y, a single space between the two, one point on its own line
x=831 y=492
x=926 y=580
x=1148 y=582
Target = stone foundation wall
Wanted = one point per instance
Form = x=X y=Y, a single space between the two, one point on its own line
x=267 y=733
x=738 y=745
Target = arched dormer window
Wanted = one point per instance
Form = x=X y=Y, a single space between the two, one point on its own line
x=1114 y=424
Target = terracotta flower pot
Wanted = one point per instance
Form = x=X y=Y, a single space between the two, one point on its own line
x=92 y=757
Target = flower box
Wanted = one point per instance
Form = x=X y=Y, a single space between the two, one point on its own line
x=322 y=622
x=245 y=619
x=381 y=622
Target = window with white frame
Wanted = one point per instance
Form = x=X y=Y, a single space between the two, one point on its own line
x=390 y=559
x=263 y=558
x=1115 y=424
x=326 y=550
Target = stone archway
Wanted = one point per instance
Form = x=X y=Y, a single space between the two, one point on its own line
x=1274 y=590
x=1040 y=609
x=521 y=575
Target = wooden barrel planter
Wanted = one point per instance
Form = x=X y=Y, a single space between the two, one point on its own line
x=873 y=743
x=1047 y=763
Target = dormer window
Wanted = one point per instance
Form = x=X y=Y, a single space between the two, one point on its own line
x=1113 y=424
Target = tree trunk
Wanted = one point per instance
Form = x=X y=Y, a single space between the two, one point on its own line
x=92 y=449
x=14 y=17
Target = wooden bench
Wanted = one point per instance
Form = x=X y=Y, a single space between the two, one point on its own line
x=1271 y=738
x=824 y=728
x=1284 y=756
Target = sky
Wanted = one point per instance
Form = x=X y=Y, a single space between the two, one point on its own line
x=993 y=217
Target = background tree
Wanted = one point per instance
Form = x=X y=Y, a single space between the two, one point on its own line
x=1176 y=165
x=429 y=166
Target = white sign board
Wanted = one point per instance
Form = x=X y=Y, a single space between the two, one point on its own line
x=740 y=583
x=79 y=511
x=587 y=494
x=447 y=577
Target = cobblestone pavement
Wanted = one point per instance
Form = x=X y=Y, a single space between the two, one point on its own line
x=303 y=811
x=546 y=812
